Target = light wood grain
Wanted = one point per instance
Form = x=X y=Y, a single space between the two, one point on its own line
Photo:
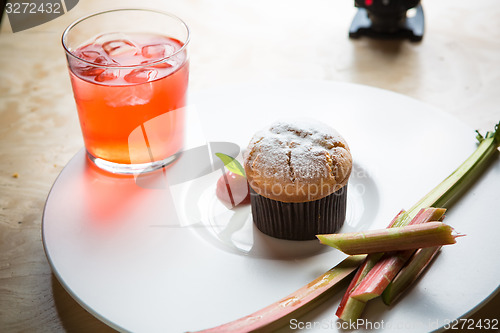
x=455 y=68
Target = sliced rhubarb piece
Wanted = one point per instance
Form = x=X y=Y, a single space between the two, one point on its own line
x=409 y=273
x=390 y=264
x=292 y=303
x=349 y=308
x=391 y=239
x=380 y=275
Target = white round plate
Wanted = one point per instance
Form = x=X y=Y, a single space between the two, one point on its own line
x=160 y=253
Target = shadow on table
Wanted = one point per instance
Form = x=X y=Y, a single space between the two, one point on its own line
x=73 y=317
x=386 y=64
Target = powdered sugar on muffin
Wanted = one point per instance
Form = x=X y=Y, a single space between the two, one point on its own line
x=296 y=161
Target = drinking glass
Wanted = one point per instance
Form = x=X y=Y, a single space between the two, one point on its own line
x=129 y=72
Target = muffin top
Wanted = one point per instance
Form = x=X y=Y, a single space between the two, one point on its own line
x=297 y=161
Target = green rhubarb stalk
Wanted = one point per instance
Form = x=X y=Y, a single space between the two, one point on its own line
x=459 y=180
x=272 y=316
x=409 y=273
x=391 y=239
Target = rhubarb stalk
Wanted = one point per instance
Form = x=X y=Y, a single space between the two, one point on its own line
x=377 y=279
x=459 y=180
x=392 y=239
x=350 y=307
x=409 y=273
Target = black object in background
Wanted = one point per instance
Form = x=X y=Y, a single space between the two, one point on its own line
x=388 y=19
x=2 y=9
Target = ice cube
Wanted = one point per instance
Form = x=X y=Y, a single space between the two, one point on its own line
x=89 y=55
x=107 y=75
x=120 y=47
x=101 y=60
x=164 y=64
x=157 y=51
x=92 y=56
x=138 y=94
x=83 y=68
x=141 y=75
x=90 y=71
x=107 y=37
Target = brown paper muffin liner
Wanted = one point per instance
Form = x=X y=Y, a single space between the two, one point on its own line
x=301 y=220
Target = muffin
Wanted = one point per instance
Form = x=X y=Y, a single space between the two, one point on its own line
x=298 y=172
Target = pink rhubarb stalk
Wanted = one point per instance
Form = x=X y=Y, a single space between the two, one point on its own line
x=350 y=307
x=375 y=282
x=409 y=273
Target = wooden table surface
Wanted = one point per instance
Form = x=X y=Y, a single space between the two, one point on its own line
x=456 y=68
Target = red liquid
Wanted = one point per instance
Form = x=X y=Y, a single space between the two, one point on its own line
x=132 y=115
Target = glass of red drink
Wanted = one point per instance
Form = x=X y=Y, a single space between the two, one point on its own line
x=129 y=71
